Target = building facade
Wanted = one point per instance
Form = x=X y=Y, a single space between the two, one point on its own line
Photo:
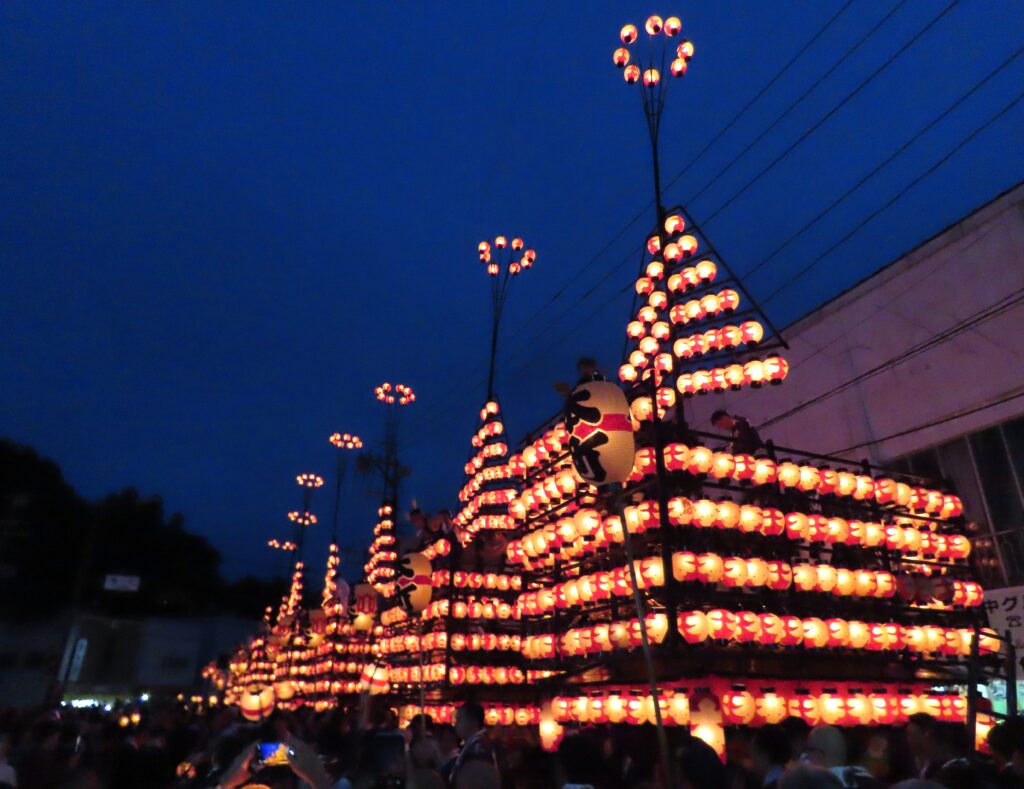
x=112 y=657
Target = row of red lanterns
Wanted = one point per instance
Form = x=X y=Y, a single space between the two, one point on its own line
x=808 y=478
x=440 y=547
x=552 y=488
x=764 y=629
x=466 y=580
x=738 y=572
x=685 y=279
x=552 y=444
x=477 y=480
x=460 y=642
x=471 y=608
x=756 y=703
x=585 y=531
x=494 y=714
x=458 y=675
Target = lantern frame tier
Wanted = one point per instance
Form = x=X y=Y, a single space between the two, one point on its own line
x=803 y=566
x=694 y=327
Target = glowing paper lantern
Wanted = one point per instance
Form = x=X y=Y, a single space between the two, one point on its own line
x=414 y=587
x=256 y=702
x=601 y=435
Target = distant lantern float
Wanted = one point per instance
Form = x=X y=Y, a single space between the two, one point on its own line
x=601 y=434
x=374 y=680
x=364 y=606
x=257 y=702
x=413 y=587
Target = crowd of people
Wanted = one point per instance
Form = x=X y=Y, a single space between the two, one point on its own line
x=168 y=746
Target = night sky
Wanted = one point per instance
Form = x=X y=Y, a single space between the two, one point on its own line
x=222 y=223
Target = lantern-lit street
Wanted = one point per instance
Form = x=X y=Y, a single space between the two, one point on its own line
x=391 y=399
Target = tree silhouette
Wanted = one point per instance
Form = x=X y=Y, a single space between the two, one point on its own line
x=49 y=535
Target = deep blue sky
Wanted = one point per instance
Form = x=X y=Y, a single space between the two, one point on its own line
x=221 y=224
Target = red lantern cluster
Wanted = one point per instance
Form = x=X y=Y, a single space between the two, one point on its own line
x=513 y=257
x=494 y=714
x=470 y=607
x=756 y=702
x=489 y=488
x=806 y=478
x=380 y=567
x=765 y=629
x=471 y=580
x=390 y=394
x=654 y=25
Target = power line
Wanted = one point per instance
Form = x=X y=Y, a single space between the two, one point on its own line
x=824 y=118
x=860 y=225
x=970 y=322
x=978 y=130
x=831 y=112
x=928 y=127
x=884 y=306
x=785 y=113
x=639 y=215
x=933 y=423
x=732 y=121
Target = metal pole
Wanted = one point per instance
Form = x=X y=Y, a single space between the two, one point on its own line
x=342 y=463
x=972 y=690
x=1011 y=676
x=652 y=679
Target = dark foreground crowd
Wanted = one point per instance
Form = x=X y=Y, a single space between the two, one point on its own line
x=164 y=747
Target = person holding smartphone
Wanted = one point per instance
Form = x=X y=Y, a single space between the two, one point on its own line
x=302 y=763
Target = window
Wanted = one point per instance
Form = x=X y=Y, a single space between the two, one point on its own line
x=926 y=464
x=998 y=481
x=986 y=469
x=958 y=470
x=1013 y=431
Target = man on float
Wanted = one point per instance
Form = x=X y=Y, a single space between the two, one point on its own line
x=745 y=439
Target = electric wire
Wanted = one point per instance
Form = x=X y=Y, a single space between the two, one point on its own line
x=888 y=160
x=794 y=104
x=973 y=320
x=906 y=46
x=934 y=422
x=899 y=195
x=824 y=118
x=558 y=293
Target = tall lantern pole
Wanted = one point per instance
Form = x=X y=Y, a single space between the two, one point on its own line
x=344 y=443
x=504 y=261
x=644 y=64
x=396 y=397
x=304 y=518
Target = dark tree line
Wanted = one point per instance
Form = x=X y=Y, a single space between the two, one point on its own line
x=54 y=543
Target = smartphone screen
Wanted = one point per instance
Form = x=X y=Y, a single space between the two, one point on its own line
x=273 y=754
